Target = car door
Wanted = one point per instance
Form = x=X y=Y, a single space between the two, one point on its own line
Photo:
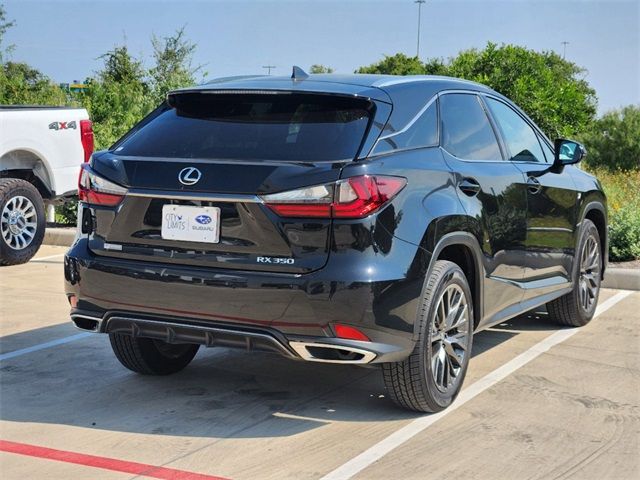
x=551 y=202
x=490 y=190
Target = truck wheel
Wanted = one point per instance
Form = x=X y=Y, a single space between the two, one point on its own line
x=151 y=357
x=22 y=221
x=430 y=379
x=577 y=307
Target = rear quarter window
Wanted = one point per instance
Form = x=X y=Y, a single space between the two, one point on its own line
x=422 y=132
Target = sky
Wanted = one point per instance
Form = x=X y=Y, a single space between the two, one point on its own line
x=64 y=39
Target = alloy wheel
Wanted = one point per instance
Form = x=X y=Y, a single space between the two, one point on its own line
x=589 y=279
x=449 y=332
x=19 y=222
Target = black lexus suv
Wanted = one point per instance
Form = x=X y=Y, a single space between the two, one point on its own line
x=356 y=219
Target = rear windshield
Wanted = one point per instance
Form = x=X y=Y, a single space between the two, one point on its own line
x=289 y=127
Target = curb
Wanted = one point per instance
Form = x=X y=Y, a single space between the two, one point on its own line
x=622 y=278
x=60 y=237
x=618 y=278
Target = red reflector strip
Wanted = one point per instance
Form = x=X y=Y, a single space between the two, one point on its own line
x=99 y=198
x=349 y=333
x=105 y=463
x=322 y=210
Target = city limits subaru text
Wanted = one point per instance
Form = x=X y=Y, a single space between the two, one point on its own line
x=358 y=219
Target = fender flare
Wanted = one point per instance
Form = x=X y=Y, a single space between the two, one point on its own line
x=594 y=205
x=49 y=181
x=468 y=240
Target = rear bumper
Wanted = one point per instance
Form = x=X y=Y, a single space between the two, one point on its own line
x=289 y=314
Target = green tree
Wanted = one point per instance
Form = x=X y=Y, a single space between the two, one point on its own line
x=398 y=64
x=613 y=141
x=117 y=97
x=173 y=64
x=318 y=68
x=20 y=83
x=124 y=91
x=550 y=89
x=4 y=26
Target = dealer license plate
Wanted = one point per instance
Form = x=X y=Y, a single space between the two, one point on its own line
x=191 y=224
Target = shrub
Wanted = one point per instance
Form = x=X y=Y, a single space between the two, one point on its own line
x=624 y=234
x=552 y=91
x=67 y=212
x=623 y=196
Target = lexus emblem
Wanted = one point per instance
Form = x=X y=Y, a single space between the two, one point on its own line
x=189 y=176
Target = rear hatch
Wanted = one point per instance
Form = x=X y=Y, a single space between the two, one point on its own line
x=219 y=151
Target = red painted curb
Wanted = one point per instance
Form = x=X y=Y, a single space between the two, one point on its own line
x=102 y=462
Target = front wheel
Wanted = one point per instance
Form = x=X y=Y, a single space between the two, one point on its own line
x=151 y=357
x=577 y=307
x=430 y=379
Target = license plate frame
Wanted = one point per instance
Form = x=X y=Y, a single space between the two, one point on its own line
x=188 y=223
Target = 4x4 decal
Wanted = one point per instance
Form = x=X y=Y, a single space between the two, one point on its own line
x=62 y=125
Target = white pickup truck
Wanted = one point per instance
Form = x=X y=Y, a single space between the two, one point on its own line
x=41 y=149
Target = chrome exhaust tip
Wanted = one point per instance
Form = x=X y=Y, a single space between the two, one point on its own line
x=329 y=353
x=86 y=323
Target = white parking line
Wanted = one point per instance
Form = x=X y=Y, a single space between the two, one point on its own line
x=380 y=449
x=42 y=346
x=36 y=259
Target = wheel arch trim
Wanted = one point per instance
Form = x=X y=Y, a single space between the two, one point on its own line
x=589 y=207
x=469 y=241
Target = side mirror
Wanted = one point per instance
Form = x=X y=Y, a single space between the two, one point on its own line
x=568 y=152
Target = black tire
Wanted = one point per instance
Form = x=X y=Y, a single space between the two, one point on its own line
x=151 y=357
x=569 y=310
x=10 y=189
x=412 y=383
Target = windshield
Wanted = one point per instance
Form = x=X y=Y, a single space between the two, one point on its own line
x=265 y=126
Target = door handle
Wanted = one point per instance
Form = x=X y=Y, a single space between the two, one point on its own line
x=533 y=185
x=469 y=186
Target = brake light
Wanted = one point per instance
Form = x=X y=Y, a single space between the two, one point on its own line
x=86 y=137
x=98 y=191
x=359 y=196
x=354 y=197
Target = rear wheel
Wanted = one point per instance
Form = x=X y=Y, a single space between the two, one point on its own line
x=577 y=307
x=151 y=357
x=22 y=221
x=431 y=377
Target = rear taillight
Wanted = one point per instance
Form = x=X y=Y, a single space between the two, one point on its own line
x=354 y=197
x=98 y=191
x=86 y=137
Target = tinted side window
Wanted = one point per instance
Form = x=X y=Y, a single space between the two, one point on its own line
x=520 y=138
x=422 y=133
x=466 y=131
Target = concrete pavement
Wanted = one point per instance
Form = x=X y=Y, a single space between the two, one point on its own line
x=572 y=412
